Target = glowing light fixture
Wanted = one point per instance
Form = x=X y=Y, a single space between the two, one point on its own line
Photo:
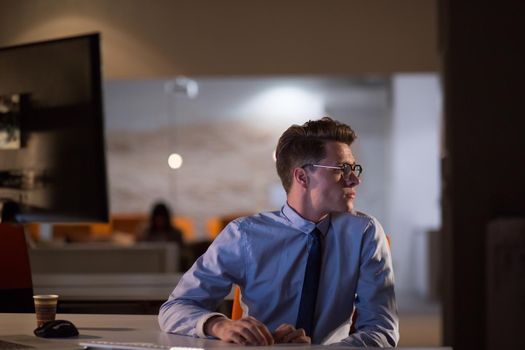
x=175 y=161
x=285 y=104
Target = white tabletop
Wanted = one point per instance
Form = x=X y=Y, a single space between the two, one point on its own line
x=118 y=328
x=122 y=328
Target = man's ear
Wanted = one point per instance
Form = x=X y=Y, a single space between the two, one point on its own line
x=301 y=177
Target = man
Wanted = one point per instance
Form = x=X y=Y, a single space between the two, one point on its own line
x=302 y=269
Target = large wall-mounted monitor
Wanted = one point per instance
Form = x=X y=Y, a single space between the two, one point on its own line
x=52 y=150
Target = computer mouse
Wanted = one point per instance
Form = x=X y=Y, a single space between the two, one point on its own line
x=56 y=329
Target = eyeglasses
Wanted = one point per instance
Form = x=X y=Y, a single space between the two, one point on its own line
x=346 y=168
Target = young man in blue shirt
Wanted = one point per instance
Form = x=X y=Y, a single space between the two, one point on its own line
x=302 y=269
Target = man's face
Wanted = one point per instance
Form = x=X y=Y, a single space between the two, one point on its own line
x=329 y=190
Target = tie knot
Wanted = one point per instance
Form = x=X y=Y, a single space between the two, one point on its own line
x=316 y=233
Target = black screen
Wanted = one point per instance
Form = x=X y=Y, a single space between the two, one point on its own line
x=52 y=160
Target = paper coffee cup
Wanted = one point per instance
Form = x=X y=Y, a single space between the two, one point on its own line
x=45 y=308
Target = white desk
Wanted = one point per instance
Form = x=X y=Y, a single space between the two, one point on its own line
x=125 y=328
x=121 y=328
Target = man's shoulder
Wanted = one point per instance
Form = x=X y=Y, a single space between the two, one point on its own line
x=355 y=216
x=355 y=220
x=262 y=218
x=357 y=224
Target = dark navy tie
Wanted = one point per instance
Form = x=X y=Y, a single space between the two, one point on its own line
x=305 y=318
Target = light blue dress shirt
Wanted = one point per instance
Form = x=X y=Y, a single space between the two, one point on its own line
x=266 y=256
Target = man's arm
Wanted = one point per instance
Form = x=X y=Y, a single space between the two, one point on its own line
x=189 y=310
x=205 y=285
x=377 y=321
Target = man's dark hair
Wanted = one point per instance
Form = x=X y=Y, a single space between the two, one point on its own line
x=304 y=144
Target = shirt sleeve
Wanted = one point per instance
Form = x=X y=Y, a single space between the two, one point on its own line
x=377 y=322
x=204 y=286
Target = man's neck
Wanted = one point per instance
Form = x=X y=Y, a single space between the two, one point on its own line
x=305 y=210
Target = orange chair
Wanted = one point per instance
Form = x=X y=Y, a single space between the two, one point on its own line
x=236 y=307
x=185 y=224
x=128 y=222
x=16 y=287
x=213 y=227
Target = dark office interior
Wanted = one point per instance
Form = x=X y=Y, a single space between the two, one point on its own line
x=477 y=49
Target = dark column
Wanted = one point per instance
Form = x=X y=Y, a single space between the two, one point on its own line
x=483 y=55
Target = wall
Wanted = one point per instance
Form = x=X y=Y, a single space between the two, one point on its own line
x=145 y=39
x=227 y=135
x=414 y=181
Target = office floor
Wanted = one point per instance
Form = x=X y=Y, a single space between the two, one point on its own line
x=420 y=321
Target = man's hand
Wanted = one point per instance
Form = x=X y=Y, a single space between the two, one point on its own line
x=287 y=333
x=246 y=331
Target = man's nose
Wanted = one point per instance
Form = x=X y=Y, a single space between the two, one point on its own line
x=352 y=180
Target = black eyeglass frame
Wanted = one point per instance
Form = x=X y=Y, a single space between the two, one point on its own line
x=346 y=168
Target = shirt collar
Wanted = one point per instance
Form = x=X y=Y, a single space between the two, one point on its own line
x=301 y=223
